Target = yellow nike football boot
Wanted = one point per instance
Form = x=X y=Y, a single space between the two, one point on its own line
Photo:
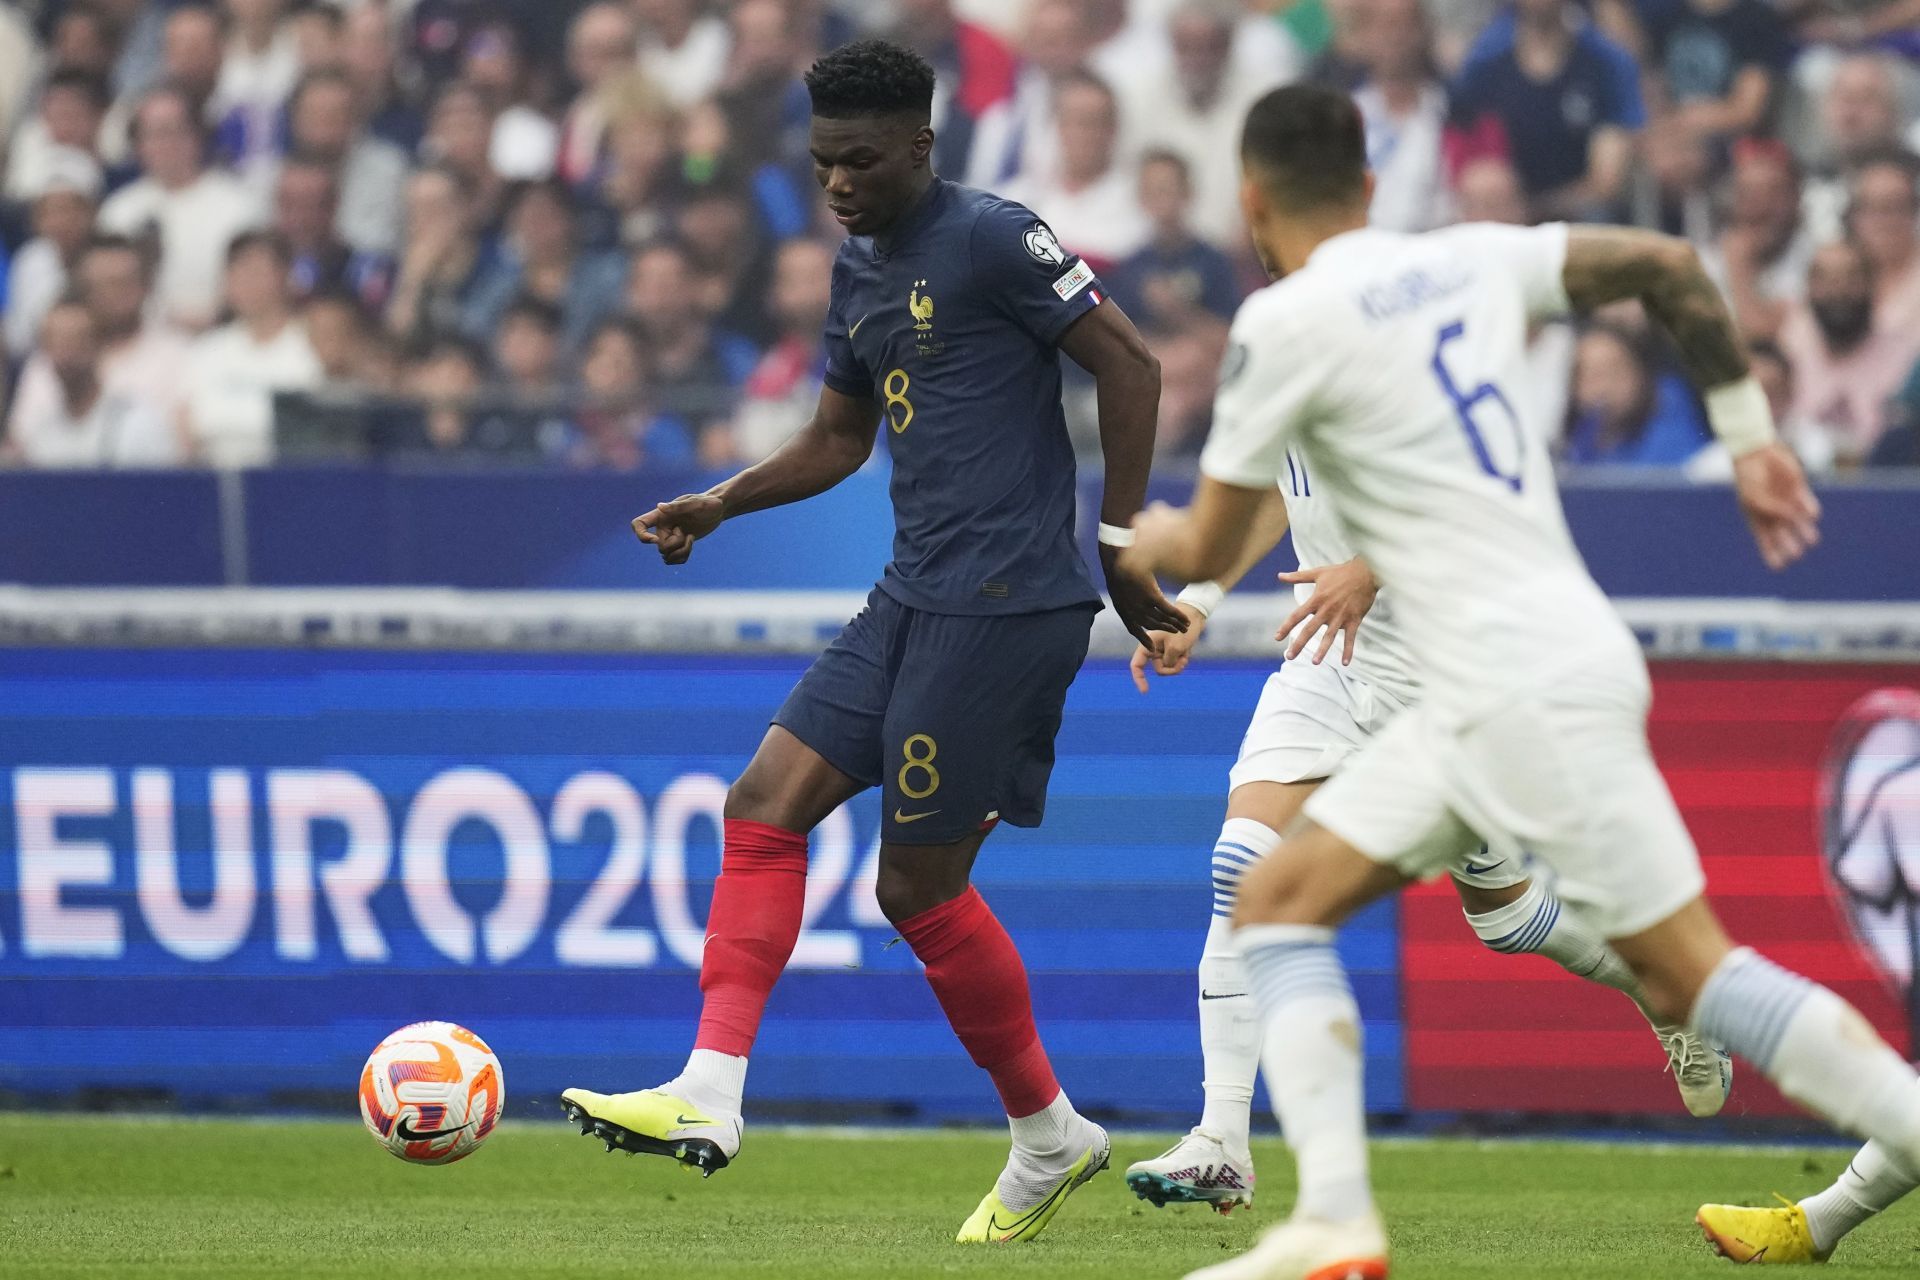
x=653 y=1122
x=1763 y=1235
x=994 y=1223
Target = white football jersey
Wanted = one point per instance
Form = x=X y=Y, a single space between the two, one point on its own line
x=1390 y=365
x=1380 y=655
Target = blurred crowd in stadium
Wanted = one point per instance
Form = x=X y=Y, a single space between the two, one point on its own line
x=587 y=233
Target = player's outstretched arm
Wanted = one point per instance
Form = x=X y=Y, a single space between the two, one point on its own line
x=831 y=447
x=1169 y=651
x=1606 y=264
x=1126 y=378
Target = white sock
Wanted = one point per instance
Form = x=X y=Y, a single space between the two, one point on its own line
x=1229 y=1024
x=713 y=1081
x=1045 y=1145
x=1313 y=1063
x=1538 y=922
x=1816 y=1048
x=1871 y=1183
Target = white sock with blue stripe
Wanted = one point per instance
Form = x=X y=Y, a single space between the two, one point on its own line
x=1313 y=1063
x=1229 y=1023
x=1540 y=923
x=1870 y=1185
x=1815 y=1047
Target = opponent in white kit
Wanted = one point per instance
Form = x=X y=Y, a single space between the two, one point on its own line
x=1313 y=714
x=1384 y=360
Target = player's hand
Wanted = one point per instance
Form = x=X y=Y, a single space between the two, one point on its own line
x=1137 y=598
x=674 y=526
x=1780 y=508
x=1342 y=594
x=1169 y=650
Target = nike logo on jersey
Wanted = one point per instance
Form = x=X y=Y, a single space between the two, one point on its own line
x=408 y=1134
x=1221 y=995
x=904 y=818
x=856 y=327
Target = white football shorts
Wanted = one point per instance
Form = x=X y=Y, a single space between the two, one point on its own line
x=1311 y=719
x=1563 y=773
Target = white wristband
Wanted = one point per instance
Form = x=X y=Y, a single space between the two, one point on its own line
x=1203 y=597
x=1740 y=416
x=1115 y=535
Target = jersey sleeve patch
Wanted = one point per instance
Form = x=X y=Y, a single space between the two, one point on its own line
x=1073 y=281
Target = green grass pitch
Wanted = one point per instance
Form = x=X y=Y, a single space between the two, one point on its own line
x=99 y=1196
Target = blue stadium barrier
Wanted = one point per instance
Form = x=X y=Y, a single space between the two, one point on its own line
x=535 y=530
x=357 y=806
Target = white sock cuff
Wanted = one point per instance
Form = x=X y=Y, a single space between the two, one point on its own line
x=1257 y=838
x=1281 y=935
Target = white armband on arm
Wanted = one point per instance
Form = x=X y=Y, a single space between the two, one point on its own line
x=1740 y=416
x=1202 y=597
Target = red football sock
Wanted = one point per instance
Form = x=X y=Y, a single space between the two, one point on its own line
x=976 y=974
x=751 y=930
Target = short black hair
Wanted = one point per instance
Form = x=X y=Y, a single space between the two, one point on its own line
x=1308 y=145
x=538 y=312
x=263 y=241
x=871 y=78
x=88 y=85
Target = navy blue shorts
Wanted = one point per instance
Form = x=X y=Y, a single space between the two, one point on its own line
x=952 y=716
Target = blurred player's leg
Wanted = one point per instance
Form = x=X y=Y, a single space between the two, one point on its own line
x=1212 y=1164
x=751 y=931
x=1313 y=1058
x=1516 y=915
x=1811 y=1230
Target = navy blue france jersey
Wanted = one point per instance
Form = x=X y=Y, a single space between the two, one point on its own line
x=950 y=323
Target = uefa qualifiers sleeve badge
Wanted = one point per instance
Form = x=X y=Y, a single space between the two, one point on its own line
x=1042 y=245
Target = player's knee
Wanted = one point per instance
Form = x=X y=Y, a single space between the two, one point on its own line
x=902 y=895
x=1276 y=890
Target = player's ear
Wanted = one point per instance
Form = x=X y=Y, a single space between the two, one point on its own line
x=1253 y=200
x=1367 y=184
x=922 y=145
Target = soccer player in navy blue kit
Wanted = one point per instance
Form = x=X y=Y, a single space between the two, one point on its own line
x=949 y=309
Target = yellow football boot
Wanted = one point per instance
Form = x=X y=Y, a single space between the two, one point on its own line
x=994 y=1223
x=653 y=1122
x=1763 y=1235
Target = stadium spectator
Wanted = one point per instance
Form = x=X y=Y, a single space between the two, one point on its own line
x=1488 y=190
x=1760 y=257
x=63 y=213
x=193 y=212
x=1623 y=413
x=1194 y=99
x=319 y=34
x=1900 y=445
x=614 y=426
x=524 y=141
x=81 y=40
x=444 y=381
x=367 y=58
x=460 y=138
x=1405 y=110
x=443 y=260
x=732 y=258
x=542 y=259
x=1177 y=281
x=1845 y=368
x=1560 y=100
x=692 y=367
x=1018 y=135
x=305 y=213
x=526 y=351
x=143 y=354
x=682 y=49
x=257 y=73
x=324 y=127
x=1091 y=203
x=1858 y=117
x=67 y=120
x=602 y=45
x=234 y=371
x=631 y=192
x=1715 y=64
x=783 y=389
x=193 y=43
x=975 y=73
x=84 y=422
x=1883 y=218
x=340 y=333
x=766 y=105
